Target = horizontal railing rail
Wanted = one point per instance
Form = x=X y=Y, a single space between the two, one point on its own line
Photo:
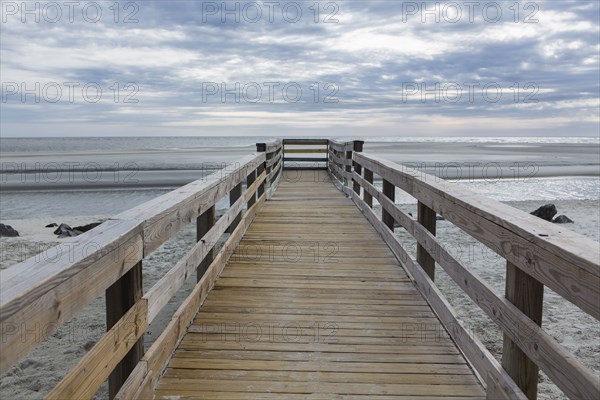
x=537 y=252
x=40 y=294
x=305 y=153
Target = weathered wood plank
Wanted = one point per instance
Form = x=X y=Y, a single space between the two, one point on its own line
x=203 y=225
x=305 y=159
x=94 y=368
x=527 y=294
x=306 y=151
x=426 y=217
x=309 y=142
x=341 y=146
x=389 y=191
x=121 y=296
x=368 y=177
x=284 y=387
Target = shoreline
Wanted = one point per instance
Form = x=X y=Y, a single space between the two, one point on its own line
x=169 y=179
x=173 y=162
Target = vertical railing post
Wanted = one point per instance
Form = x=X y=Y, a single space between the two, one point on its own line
x=527 y=294
x=368 y=176
x=262 y=148
x=261 y=188
x=426 y=217
x=234 y=195
x=337 y=173
x=249 y=181
x=120 y=297
x=358 y=147
x=204 y=222
x=348 y=168
x=329 y=149
x=389 y=191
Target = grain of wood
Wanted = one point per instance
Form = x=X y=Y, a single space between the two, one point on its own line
x=521 y=326
x=559 y=258
x=312 y=303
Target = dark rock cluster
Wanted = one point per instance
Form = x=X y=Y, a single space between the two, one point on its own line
x=8 y=231
x=548 y=211
x=64 y=230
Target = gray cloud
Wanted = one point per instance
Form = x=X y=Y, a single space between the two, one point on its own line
x=357 y=76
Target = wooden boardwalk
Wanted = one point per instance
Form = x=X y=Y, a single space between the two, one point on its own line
x=313 y=304
x=310 y=296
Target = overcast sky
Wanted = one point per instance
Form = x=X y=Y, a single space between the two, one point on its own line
x=368 y=68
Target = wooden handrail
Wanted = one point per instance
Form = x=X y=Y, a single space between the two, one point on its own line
x=340 y=162
x=273 y=165
x=562 y=260
x=566 y=262
x=304 y=155
x=307 y=142
x=40 y=294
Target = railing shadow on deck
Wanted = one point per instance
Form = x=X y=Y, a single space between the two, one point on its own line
x=46 y=294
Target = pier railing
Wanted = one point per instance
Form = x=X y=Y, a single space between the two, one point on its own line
x=273 y=164
x=42 y=293
x=537 y=254
x=305 y=154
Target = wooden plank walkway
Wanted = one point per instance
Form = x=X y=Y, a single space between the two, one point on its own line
x=313 y=305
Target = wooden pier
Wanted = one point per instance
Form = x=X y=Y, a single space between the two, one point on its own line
x=304 y=291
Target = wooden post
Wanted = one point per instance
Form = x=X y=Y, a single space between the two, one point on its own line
x=358 y=147
x=203 y=224
x=527 y=294
x=262 y=148
x=336 y=173
x=283 y=156
x=120 y=297
x=268 y=157
x=426 y=217
x=348 y=168
x=234 y=195
x=329 y=149
x=261 y=188
x=368 y=176
x=249 y=181
x=389 y=191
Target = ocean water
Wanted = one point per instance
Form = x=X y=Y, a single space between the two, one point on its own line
x=67 y=144
x=48 y=177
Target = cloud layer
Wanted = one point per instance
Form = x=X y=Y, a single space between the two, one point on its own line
x=336 y=68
